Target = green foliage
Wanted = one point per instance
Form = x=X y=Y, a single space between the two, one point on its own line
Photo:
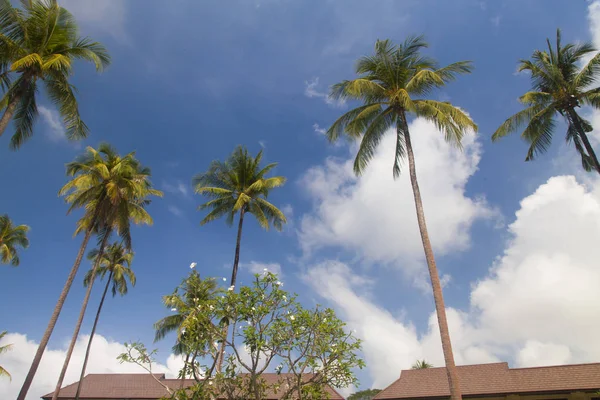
x=558 y=86
x=421 y=364
x=389 y=85
x=39 y=41
x=269 y=329
x=11 y=237
x=113 y=190
x=240 y=185
x=116 y=262
x=367 y=394
x=4 y=349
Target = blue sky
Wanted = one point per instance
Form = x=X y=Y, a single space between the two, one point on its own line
x=190 y=81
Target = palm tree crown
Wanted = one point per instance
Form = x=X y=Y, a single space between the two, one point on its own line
x=115 y=261
x=39 y=41
x=112 y=189
x=10 y=237
x=240 y=184
x=558 y=86
x=388 y=85
x=421 y=364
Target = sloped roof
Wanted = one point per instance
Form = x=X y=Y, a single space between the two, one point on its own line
x=144 y=386
x=497 y=378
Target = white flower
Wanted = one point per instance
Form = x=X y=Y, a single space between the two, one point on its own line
x=192 y=265
x=253 y=309
x=324 y=319
x=183 y=331
x=292 y=318
x=224 y=279
x=284 y=298
x=210 y=382
x=264 y=269
x=279 y=283
x=231 y=288
x=173 y=309
x=211 y=307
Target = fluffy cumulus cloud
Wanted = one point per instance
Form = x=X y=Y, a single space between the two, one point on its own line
x=383 y=208
x=256 y=267
x=538 y=304
x=103 y=359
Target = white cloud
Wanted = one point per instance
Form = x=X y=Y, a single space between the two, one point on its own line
x=538 y=304
x=317 y=128
x=56 y=129
x=594 y=21
x=374 y=215
x=311 y=90
x=103 y=359
x=256 y=267
x=175 y=210
x=105 y=17
x=177 y=187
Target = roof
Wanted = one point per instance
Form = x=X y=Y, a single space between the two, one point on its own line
x=497 y=378
x=144 y=386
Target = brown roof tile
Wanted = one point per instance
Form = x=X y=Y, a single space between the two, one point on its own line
x=497 y=378
x=143 y=386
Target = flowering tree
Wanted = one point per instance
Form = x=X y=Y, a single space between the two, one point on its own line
x=269 y=331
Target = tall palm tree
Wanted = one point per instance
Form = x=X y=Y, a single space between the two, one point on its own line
x=4 y=349
x=39 y=41
x=116 y=262
x=239 y=185
x=390 y=85
x=11 y=237
x=421 y=364
x=112 y=190
x=559 y=86
x=123 y=200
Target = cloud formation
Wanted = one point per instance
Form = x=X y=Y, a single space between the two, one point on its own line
x=311 y=90
x=103 y=17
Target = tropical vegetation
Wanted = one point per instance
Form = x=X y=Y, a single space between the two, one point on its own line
x=4 y=349
x=559 y=87
x=391 y=86
x=39 y=43
x=12 y=237
x=421 y=364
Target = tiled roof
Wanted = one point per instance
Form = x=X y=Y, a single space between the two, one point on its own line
x=144 y=386
x=488 y=379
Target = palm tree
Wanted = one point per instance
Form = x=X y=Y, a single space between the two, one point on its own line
x=239 y=185
x=122 y=199
x=39 y=41
x=10 y=237
x=116 y=261
x=183 y=303
x=421 y=364
x=558 y=87
x=390 y=84
x=112 y=190
x=4 y=349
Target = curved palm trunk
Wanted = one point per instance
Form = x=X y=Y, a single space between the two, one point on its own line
x=86 y=299
x=9 y=112
x=453 y=380
x=89 y=346
x=236 y=261
x=586 y=143
x=59 y=304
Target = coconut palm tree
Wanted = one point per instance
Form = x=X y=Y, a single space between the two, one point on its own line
x=559 y=86
x=4 y=349
x=239 y=185
x=11 y=237
x=39 y=43
x=391 y=85
x=116 y=262
x=113 y=191
x=124 y=202
x=421 y=364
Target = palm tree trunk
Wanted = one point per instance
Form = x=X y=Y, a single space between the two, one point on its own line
x=453 y=380
x=236 y=261
x=59 y=304
x=89 y=346
x=9 y=112
x=586 y=143
x=86 y=299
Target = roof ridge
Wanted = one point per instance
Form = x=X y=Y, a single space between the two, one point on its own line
x=459 y=366
x=555 y=366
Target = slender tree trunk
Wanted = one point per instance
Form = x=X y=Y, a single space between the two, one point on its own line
x=59 y=304
x=9 y=112
x=86 y=299
x=451 y=370
x=584 y=139
x=185 y=366
x=89 y=346
x=236 y=261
